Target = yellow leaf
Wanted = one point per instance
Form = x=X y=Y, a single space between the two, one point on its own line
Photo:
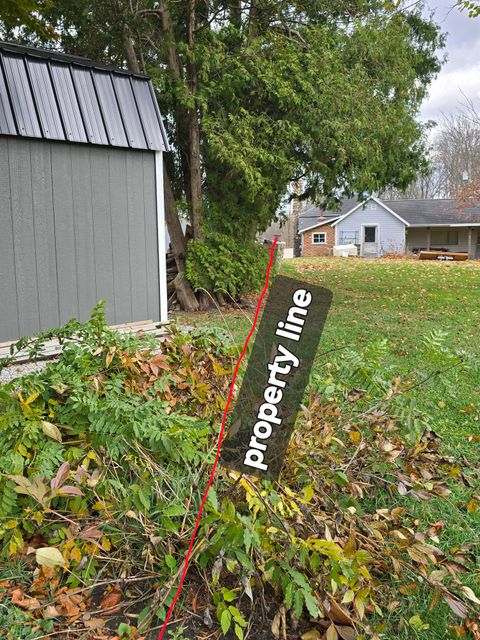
x=49 y=557
x=331 y=633
x=31 y=398
x=348 y=597
x=51 y=430
x=106 y=544
x=75 y=554
x=355 y=437
x=313 y=634
x=472 y=506
x=442 y=404
x=308 y=492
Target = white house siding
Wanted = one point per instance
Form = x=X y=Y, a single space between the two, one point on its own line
x=417 y=239
x=391 y=230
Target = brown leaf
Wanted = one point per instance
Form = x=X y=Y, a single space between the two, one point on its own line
x=111 y=600
x=474 y=629
x=459 y=630
x=17 y=596
x=70 y=605
x=19 y=600
x=456 y=606
x=62 y=475
x=337 y=614
x=346 y=633
x=94 y=623
x=194 y=605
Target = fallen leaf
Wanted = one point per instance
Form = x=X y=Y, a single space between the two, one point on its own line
x=313 y=634
x=17 y=596
x=346 y=633
x=49 y=557
x=470 y=595
x=111 y=600
x=94 y=623
x=456 y=606
x=331 y=633
x=51 y=431
x=337 y=614
x=472 y=506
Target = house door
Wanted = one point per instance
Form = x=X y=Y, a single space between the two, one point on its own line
x=370 y=241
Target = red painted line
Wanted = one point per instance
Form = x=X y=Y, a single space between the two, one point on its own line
x=219 y=442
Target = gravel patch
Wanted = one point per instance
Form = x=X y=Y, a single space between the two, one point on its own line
x=17 y=370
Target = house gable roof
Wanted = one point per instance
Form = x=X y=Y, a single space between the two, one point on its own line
x=379 y=202
x=315 y=216
x=53 y=96
x=319 y=223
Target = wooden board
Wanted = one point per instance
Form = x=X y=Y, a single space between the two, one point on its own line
x=445 y=256
x=52 y=348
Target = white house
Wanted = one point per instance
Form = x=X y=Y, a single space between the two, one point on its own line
x=378 y=227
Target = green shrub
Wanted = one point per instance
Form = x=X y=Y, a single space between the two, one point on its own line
x=221 y=264
x=105 y=454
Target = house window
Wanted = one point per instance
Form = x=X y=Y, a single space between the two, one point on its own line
x=319 y=238
x=372 y=204
x=444 y=236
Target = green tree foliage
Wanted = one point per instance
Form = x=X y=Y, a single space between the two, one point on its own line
x=258 y=94
x=24 y=14
x=473 y=8
x=224 y=265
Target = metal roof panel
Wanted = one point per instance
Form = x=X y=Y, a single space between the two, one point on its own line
x=148 y=114
x=44 y=96
x=21 y=96
x=68 y=102
x=111 y=112
x=7 y=122
x=129 y=111
x=88 y=101
x=47 y=94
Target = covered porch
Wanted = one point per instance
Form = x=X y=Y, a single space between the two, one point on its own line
x=461 y=237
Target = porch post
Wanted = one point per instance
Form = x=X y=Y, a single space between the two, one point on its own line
x=429 y=238
x=470 y=242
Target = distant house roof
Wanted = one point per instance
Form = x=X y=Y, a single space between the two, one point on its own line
x=314 y=216
x=54 y=96
x=433 y=211
x=422 y=213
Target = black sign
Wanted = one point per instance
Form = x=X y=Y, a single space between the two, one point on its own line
x=277 y=373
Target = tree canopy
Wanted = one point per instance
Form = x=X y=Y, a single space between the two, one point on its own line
x=256 y=94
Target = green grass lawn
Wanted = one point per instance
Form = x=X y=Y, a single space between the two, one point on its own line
x=404 y=301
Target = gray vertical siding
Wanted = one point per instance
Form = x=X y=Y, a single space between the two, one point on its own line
x=77 y=224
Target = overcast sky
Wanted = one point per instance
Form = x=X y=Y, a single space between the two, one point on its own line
x=461 y=73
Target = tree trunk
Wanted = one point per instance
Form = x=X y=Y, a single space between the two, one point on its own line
x=132 y=59
x=184 y=291
x=181 y=115
x=194 y=126
x=185 y=295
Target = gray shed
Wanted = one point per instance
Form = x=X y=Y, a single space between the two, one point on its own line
x=81 y=192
